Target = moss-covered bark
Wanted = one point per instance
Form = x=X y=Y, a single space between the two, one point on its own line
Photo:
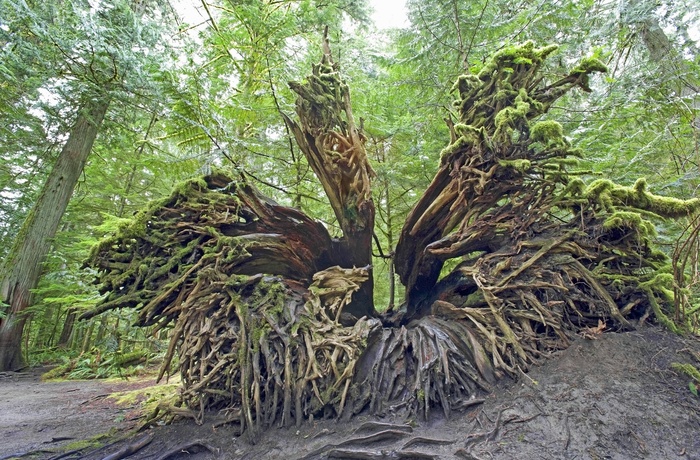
x=270 y=314
x=334 y=147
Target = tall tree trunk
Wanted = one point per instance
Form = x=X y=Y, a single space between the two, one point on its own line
x=22 y=268
x=67 y=330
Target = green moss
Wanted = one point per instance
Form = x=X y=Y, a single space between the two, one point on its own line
x=658 y=313
x=130 y=357
x=631 y=220
x=547 y=132
x=688 y=369
x=610 y=195
x=589 y=65
x=657 y=255
x=598 y=192
x=614 y=279
x=467 y=136
x=640 y=185
x=561 y=164
x=57 y=372
x=660 y=280
x=522 y=60
x=148 y=397
x=662 y=285
x=598 y=187
x=465 y=84
x=523 y=54
x=578 y=153
x=692 y=309
x=638 y=197
x=575 y=187
x=520 y=165
x=259 y=333
x=176 y=259
x=510 y=117
x=504 y=95
x=85 y=444
x=187 y=188
x=137 y=227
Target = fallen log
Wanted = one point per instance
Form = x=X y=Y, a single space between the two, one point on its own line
x=272 y=318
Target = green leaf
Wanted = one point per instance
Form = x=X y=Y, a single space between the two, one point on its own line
x=693 y=388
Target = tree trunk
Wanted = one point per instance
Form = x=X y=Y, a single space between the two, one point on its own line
x=334 y=146
x=22 y=268
x=67 y=330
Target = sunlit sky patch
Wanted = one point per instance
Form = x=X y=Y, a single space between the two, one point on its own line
x=389 y=13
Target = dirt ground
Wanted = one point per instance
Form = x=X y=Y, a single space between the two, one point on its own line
x=41 y=419
x=612 y=398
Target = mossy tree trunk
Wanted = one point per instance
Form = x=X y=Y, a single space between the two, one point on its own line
x=21 y=269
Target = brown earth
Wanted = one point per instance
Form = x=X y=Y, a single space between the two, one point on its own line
x=41 y=419
x=612 y=398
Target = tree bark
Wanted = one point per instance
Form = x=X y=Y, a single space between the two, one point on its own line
x=67 y=330
x=334 y=146
x=22 y=268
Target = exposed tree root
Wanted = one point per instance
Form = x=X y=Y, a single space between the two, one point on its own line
x=130 y=449
x=382 y=455
x=429 y=441
x=189 y=448
x=272 y=319
x=358 y=441
x=489 y=436
x=379 y=426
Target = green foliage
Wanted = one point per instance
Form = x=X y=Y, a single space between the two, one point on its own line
x=214 y=99
x=98 y=365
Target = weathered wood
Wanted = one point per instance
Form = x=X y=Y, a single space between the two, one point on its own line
x=273 y=318
x=334 y=147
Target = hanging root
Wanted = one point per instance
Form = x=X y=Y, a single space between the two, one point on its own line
x=260 y=353
x=261 y=317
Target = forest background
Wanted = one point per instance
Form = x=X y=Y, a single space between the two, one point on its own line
x=186 y=93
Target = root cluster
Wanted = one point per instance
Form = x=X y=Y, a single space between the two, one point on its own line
x=272 y=320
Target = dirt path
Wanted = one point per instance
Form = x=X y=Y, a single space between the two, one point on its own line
x=46 y=418
x=612 y=398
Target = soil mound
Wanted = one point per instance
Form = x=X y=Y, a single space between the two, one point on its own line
x=616 y=397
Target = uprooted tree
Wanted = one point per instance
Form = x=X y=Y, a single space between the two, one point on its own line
x=272 y=318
